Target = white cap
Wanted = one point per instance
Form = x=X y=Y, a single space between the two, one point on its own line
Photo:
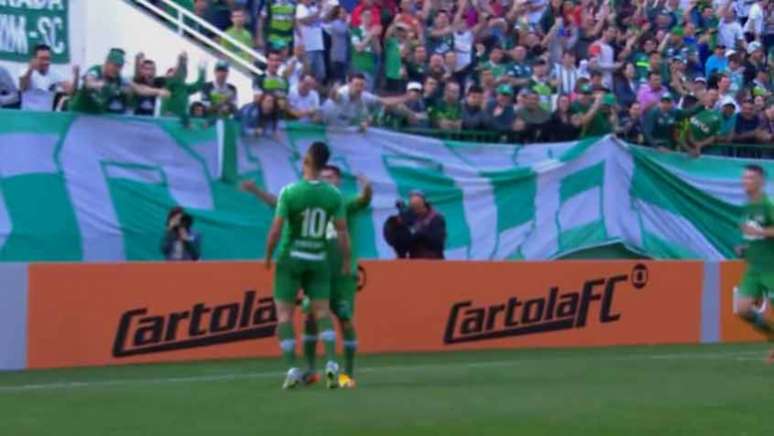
x=414 y=86
x=730 y=52
x=728 y=100
x=755 y=45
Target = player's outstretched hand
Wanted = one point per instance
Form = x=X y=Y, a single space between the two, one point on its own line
x=248 y=186
x=267 y=263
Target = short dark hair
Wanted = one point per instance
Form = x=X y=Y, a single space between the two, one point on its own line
x=354 y=76
x=320 y=154
x=475 y=89
x=148 y=62
x=273 y=52
x=333 y=168
x=652 y=73
x=41 y=47
x=756 y=169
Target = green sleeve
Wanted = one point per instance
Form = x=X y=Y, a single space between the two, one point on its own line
x=282 y=205
x=339 y=208
x=197 y=86
x=357 y=204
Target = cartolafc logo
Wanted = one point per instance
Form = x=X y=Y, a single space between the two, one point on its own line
x=556 y=311
x=200 y=326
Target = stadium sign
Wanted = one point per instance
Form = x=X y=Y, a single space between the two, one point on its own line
x=517 y=317
x=27 y=23
x=201 y=326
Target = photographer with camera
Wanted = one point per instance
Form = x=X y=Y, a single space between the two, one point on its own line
x=418 y=231
x=180 y=242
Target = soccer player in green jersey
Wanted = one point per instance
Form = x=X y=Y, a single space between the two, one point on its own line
x=758 y=231
x=307 y=206
x=343 y=287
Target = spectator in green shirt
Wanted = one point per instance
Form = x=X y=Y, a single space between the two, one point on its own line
x=180 y=91
x=239 y=33
x=447 y=113
x=661 y=121
x=366 y=48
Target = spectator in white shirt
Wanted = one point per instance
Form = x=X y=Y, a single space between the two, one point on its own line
x=729 y=30
x=304 y=100
x=39 y=84
x=309 y=33
x=756 y=21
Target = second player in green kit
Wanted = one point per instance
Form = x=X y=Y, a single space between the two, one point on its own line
x=307 y=207
x=758 y=232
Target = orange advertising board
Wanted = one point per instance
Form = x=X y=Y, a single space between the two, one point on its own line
x=733 y=329
x=98 y=314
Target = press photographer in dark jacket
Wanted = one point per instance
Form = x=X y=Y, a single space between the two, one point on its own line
x=417 y=231
x=180 y=242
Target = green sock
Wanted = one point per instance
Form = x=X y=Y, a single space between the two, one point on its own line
x=350 y=347
x=287 y=340
x=310 y=343
x=328 y=336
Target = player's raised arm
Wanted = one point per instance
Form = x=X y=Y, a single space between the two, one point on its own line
x=276 y=228
x=267 y=198
x=364 y=199
x=346 y=248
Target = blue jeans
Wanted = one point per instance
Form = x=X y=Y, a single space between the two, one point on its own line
x=317 y=64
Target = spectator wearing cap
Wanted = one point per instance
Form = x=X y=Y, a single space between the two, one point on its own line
x=660 y=123
x=703 y=127
x=219 y=95
x=500 y=113
x=310 y=35
x=9 y=93
x=104 y=90
x=446 y=114
x=650 y=93
x=304 y=100
x=39 y=84
x=395 y=41
x=756 y=61
x=418 y=231
x=415 y=108
x=473 y=115
x=717 y=62
x=272 y=80
x=727 y=120
x=594 y=115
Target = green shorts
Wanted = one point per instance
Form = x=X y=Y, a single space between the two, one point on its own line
x=343 y=290
x=312 y=277
x=757 y=285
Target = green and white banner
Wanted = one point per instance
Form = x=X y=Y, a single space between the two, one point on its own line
x=27 y=23
x=98 y=189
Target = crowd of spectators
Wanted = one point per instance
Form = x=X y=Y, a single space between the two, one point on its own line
x=673 y=74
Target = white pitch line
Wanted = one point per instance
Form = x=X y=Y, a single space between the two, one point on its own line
x=738 y=356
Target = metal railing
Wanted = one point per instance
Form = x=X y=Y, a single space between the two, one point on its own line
x=755 y=151
x=182 y=24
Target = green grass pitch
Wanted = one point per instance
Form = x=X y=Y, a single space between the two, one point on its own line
x=659 y=390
